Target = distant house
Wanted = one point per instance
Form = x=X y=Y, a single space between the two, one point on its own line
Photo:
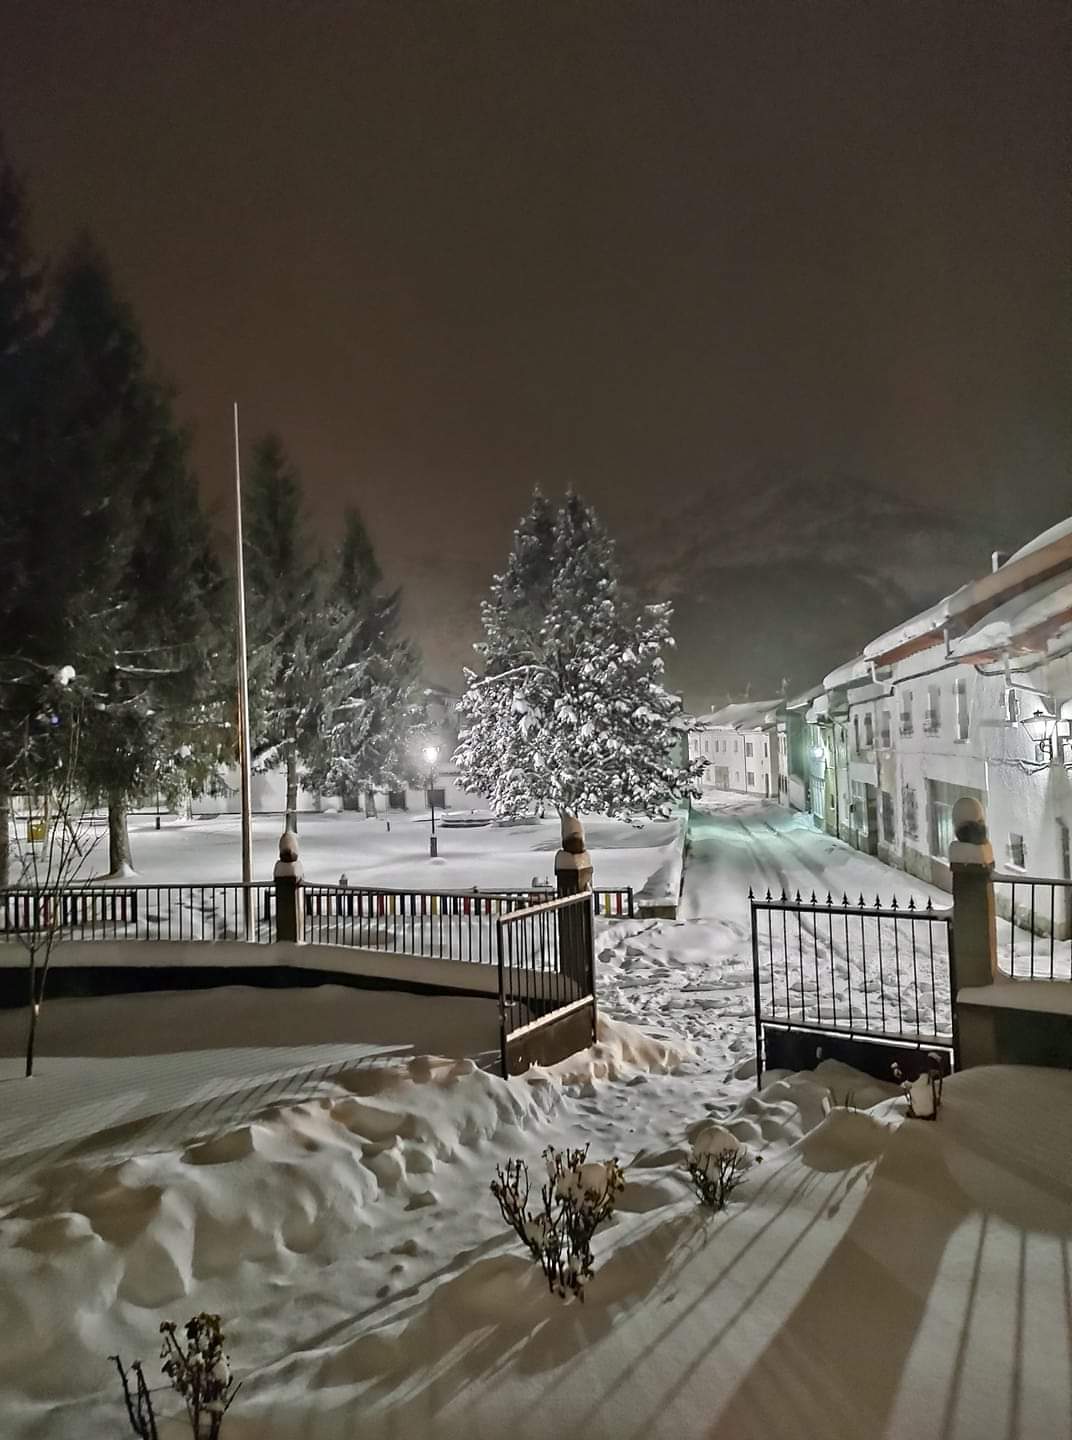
x=739 y=747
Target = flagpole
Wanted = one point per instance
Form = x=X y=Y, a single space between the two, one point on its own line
x=243 y=696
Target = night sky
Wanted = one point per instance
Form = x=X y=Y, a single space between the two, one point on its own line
x=452 y=250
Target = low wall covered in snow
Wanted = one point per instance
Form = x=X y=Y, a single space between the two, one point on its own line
x=117 y=967
x=662 y=890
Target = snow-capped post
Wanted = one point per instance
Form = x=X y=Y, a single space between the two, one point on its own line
x=971 y=861
x=573 y=876
x=573 y=864
x=288 y=875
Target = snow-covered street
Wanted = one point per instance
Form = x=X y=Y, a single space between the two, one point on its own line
x=691 y=978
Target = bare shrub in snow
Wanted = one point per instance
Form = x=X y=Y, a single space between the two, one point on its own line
x=717 y=1163
x=924 y=1093
x=198 y=1370
x=139 y=1401
x=578 y=1196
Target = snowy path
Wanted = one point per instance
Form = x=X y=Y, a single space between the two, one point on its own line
x=692 y=977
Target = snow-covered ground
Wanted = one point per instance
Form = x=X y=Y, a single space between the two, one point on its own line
x=645 y=855
x=256 y=1154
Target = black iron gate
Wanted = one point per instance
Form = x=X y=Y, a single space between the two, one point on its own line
x=871 y=985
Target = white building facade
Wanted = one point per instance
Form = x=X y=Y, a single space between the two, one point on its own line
x=935 y=710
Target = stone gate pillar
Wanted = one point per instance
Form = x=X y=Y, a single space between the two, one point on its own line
x=289 y=907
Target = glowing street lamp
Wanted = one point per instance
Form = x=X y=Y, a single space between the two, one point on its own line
x=431 y=755
x=1040 y=728
x=1043 y=729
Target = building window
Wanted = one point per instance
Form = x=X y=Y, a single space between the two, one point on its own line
x=1017 y=851
x=869 y=732
x=906 y=712
x=1012 y=704
x=886 y=730
x=889 y=824
x=932 y=720
x=858 y=808
x=941 y=797
x=856 y=733
x=748 y=749
x=960 y=695
x=909 y=813
x=750 y=778
x=941 y=821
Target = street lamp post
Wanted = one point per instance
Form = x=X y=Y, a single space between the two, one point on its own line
x=431 y=754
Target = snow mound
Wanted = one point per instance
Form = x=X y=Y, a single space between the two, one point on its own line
x=619 y=1051
x=98 y=1253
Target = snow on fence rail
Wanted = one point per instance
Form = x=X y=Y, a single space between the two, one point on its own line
x=142 y=912
x=441 y=924
x=869 y=973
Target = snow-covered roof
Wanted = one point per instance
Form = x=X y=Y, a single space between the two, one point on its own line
x=804 y=699
x=746 y=715
x=1039 y=609
x=930 y=621
x=1056 y=532
x=852 y=673
x=1048 y=554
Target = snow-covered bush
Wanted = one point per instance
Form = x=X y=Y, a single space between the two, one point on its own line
x=578 y=1196
x=924 y=1093
x=198 y=1370
x=717 y=1164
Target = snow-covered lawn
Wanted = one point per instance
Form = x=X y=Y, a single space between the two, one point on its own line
x=257 y=1154
x=645 y=855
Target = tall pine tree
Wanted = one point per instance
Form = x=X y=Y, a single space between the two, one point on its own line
x=141 y=591
x=331 y=681
x=301 y=667
x=20 y=332
x=366 y=740
x=571 y=711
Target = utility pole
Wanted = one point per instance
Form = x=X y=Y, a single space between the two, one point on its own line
x=243 y=697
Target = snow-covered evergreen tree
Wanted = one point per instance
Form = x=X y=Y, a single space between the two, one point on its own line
x=106 y=563
x=139 y=589
x=366 y=742
x=297 y=642
x=571 y=712
x=330 y=680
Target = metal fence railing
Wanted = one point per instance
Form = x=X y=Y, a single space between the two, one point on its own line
x=227 y=911
x=1036 y=943
x=441 y=924
x=546 y=959
x=864 y=972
